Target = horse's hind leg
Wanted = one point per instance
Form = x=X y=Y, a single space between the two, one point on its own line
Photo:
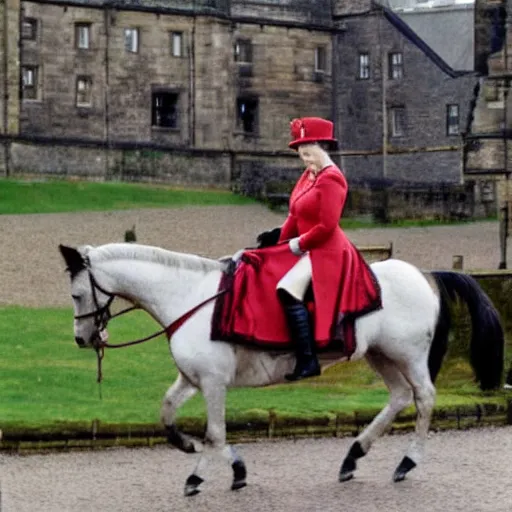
x=418 y=376
x=400 y=397
x=176 y=395
x=215 y=440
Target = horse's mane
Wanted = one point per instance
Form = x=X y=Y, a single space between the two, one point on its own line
x=120 y=251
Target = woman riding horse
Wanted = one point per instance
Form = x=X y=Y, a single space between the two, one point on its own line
x=343 y=285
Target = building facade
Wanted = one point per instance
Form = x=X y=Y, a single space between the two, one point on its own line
x=202 y=91
x=401 y=108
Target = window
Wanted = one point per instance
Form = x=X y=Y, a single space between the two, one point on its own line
x=396 y=66
x=364 y=66
x=247 y=115
x=452 y=120
x=320 y=59
x=243 y=56
x=83 y=91
x=164 y=109
x=29 y=29
x=131 y=40
x=397 y=121
x=29 y=85
x=177 y=44
x=83 y=35
x=243 y=51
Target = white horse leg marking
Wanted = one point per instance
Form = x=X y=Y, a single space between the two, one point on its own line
x=177 y=395
x=424 y=398
x=401 y=396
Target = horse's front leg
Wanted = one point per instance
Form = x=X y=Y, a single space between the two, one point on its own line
x=177 y=395
x=215 y=440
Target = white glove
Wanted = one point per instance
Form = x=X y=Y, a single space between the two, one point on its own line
x=295 y=247
x=238 y=255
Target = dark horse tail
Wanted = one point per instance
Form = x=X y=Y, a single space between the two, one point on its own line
x=487 y=340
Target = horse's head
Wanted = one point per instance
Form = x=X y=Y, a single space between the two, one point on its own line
x=91 y=302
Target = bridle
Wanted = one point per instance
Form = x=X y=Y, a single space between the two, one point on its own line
x=102 y=316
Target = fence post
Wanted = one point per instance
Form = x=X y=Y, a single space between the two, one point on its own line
x=458 y=262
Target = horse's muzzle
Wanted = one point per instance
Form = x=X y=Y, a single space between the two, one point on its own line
x=80 y=341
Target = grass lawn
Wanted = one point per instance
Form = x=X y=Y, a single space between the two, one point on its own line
x=45 y=378
x=71 y=196
x=54 y=196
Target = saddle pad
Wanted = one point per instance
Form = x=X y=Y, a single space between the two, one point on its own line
x=250 y=312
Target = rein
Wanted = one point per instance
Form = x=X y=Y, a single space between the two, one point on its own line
x=102 y=316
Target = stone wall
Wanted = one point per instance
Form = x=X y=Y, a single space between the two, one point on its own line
x=181 y=168
x=421 y=167
x=285 y=11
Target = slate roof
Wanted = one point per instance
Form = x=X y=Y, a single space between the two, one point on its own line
x=450 y=47
x=449 y=32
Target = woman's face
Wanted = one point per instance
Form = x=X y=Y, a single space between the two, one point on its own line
x=312 y=155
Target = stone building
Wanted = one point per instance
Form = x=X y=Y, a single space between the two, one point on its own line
x=202 y=91
x=401 y=107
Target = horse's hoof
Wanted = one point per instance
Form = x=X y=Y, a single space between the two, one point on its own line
x=192 y=485
x=239 y=475
x=399 y=476
x=405 y=466
x=346 y=476
x=238 y=484
x=347 y=469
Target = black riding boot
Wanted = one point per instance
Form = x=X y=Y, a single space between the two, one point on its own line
x=301 y=333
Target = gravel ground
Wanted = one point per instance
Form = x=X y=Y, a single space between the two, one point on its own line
x=466 y=471
x=31 y=269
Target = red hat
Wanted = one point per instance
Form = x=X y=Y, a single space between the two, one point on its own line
x=311 y=129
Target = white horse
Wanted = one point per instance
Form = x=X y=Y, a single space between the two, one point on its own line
x=404 y=342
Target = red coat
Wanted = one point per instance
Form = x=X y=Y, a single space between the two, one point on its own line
x=342 y=281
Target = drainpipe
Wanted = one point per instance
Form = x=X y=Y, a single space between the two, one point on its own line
x=384 y=100
x=5 y=63
x=106 y=127
x=335 y=41
x=192 y=85
x=504 y=217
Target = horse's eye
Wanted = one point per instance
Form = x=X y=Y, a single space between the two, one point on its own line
x=75 y=297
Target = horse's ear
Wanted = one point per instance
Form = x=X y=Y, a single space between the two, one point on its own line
x=74 y=260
